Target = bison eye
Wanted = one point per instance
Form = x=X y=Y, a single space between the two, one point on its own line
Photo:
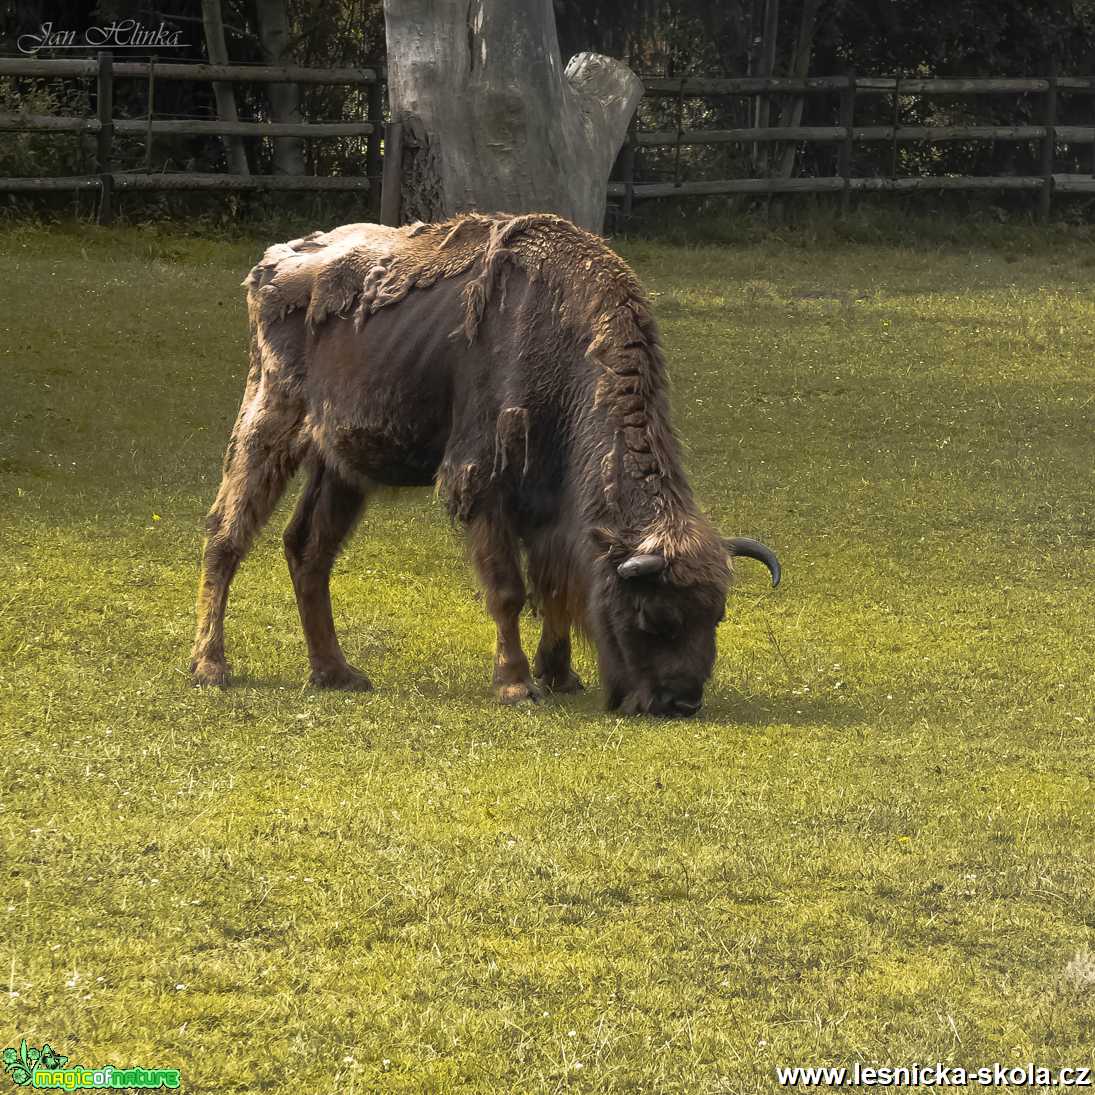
x=662 y=620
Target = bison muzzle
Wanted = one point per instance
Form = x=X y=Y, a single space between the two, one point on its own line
x=513 y=362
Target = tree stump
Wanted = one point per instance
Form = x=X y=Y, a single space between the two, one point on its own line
x=491 y=119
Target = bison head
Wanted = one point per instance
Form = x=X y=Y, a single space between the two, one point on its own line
x=654 y=622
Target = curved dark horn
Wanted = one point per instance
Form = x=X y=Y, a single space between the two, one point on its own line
x=754 y=549
x=640 y=566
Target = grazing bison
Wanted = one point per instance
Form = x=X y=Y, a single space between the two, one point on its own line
x=514 y=362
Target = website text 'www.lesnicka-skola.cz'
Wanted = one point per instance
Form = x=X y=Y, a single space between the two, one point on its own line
x=937 y=1075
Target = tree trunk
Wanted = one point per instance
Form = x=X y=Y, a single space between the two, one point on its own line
x=800 y=69
x=273 y=23
x=491 y=121
x=766 y=67
x=224 y=93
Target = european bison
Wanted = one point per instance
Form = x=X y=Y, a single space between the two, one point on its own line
x=514 y=362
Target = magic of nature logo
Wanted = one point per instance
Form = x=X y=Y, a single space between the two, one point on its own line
x=45 y=1068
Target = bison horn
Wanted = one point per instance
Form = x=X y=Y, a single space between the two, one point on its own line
x=640 y=566
x=754 y=549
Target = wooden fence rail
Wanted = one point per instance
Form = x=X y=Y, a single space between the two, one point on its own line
x=108 y=179
x=178 y=70
x=1047 y=134
x=104 y=126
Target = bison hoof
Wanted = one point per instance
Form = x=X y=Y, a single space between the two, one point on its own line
x=206 y=673
x=342 y=677
x=521 y=692
x=562 y=683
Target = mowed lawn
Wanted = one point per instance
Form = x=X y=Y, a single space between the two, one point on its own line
x=877 y=843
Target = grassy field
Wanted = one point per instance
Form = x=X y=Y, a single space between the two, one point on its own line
x=876 y=844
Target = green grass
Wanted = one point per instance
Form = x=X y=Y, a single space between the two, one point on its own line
x=876 y=844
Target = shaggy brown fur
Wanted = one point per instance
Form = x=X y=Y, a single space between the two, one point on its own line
x=513 y=361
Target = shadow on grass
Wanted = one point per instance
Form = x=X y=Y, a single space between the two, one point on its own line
x=258 y=681
x=723 y=706
x=726 y=707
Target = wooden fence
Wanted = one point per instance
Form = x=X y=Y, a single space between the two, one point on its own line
x=107 y=178
x=1048 y=134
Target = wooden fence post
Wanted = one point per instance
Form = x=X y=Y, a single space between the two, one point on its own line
x=1049 y=146
x=895 y=121
x=847 y=119
x=372 y=147
x=390 y=197
x=104 y=153
x=680 y=131
x=151 y=99
x=627 y=170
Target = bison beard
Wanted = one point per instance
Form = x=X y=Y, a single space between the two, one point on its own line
x=514 y=362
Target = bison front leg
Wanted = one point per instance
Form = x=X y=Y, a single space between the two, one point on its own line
x=326 y=514
x=552 y=664
x=494 y=551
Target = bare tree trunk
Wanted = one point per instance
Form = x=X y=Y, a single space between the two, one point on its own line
x=492 y=120
x=800 y=69
x=273 y=23
x=766 y=67
x=224 y=93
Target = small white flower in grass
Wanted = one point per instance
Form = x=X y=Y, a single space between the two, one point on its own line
x=578 y=1066
x=572 y=1034
x=180 y=987
x=1080 y=971
x=348 y=1060
x=386 y=1063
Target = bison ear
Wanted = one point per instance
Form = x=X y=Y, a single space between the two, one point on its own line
x=641 y=566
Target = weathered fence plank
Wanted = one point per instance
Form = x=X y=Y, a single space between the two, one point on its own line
x=655 y=137
x=263 y=74
x=70 y=182
x=105 y=139
x=761 y=85
x=184 y=181
x=835 y=183
x=186 y=127
x=206 y=181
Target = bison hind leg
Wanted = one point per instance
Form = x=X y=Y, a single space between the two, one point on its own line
x=325 y=516
x=497 y=559
x=262 y=456
x=548 y=571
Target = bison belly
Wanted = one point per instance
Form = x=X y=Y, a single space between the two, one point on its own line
x=379 y=397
